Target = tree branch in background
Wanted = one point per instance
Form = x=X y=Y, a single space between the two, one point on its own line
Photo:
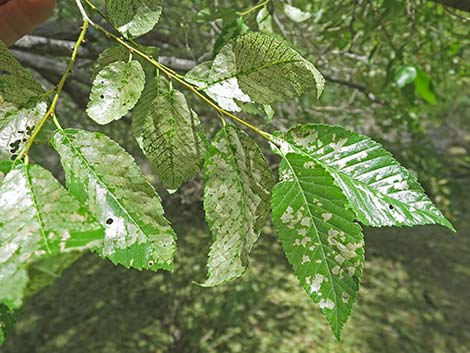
x=463 y=5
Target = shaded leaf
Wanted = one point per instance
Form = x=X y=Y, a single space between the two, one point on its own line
x=38 y=218
x=380 y=191
x=172 y=139
x=102 y=175
x=7 y=321
x=17 y=85
x=21 y=104
x=236 y=201
x=319 y=236
x=255 y=68
x=134 y=17
x=116 y=90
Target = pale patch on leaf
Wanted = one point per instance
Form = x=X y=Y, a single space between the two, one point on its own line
x=255 y=68
x=320 y=239
x=102 y=175
x=116 y=90
x=380 y=191
x=236 y=201
x=134 y=17
x=38 y=218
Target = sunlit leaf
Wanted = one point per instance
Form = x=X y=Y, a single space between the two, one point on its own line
x=319 y=236
x=134 y=17
x=405 y=75
x=116 y=90
x=38 y=218
x=380 y=191
x=296 y=14
x=255 y=68
x=102 y=175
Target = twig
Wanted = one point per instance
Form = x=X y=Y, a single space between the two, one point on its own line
x=51 y=111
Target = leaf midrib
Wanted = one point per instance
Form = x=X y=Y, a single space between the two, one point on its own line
x=377 y=193
x=317 y=235
x=103 y=183
x=36 y=206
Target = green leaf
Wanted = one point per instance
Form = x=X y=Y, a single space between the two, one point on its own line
x=265 y=20
x=255 y=68
x=405 y=75
x=380 y=191
x=21 y=104
x=38 y=218
x=116 y=90
x=134 y=17
x=102 y=175
x=423 y=87
x=319 y=236
x=7 y=321
x=236 y=201
x=172 y=139
x=296 y=14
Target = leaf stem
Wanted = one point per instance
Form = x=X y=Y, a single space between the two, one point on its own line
x=175 y=76
x=254 y=8
x=58 y=90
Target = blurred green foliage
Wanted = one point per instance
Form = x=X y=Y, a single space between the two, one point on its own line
x=415 y=289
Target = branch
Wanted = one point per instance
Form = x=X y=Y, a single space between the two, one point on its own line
x=50 y=66
x=463 y=5
x=361 y=88
x=48 y=46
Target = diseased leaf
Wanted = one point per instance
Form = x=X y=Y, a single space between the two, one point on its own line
x=16 y=126
x=17 y=85
x=236 y=201
x=21 y=104
x=319 y=236
x=134 y=17
x=230 y=31
x=380 y=191
x=116 y=90
x=102 y=175
x=107 y=57
x=38 y=218
x=171 y=139
x=255 y=68
x=154 y=83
